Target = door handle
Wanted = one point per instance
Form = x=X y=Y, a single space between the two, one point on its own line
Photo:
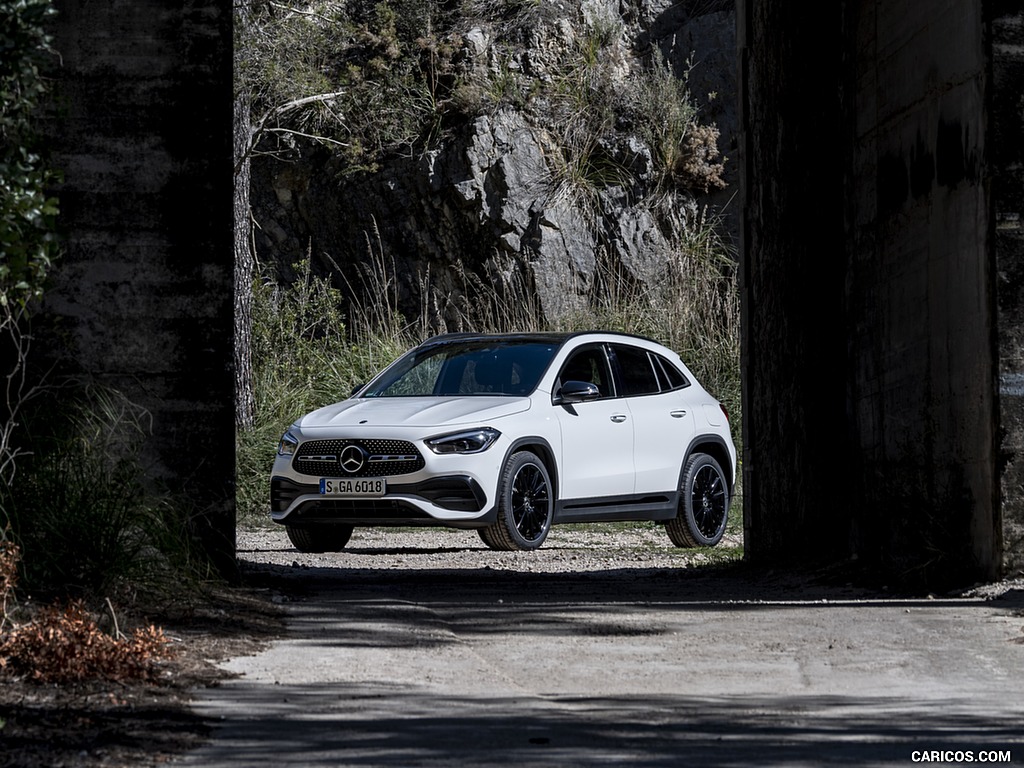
x=678 y=414
x=618 y=418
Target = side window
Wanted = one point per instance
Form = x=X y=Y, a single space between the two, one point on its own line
x=671 y=377
x=590 y=365
x=638 y=376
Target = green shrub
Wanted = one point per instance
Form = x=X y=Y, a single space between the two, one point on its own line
x=668 y=119
x=303 y=358
x=27 y=213
x=80 y=509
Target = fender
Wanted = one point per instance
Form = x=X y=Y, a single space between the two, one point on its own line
x=729 y=470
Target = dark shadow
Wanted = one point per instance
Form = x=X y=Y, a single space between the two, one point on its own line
x=731 y=582
x=492 y=601
x=109 y=728
x=359 y=726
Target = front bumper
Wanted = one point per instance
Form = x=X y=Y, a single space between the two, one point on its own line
x=423 y=487
x=456 y=501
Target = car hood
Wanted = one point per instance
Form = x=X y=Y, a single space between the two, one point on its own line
x=414 y=411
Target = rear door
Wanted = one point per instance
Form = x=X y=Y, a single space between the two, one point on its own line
x=662 y=416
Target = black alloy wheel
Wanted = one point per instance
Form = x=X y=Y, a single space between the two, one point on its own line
x=525 y=505
x=703 y=504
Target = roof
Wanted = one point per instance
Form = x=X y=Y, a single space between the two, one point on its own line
x=558 y=338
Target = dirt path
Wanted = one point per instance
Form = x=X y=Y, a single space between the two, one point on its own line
x=422 y=648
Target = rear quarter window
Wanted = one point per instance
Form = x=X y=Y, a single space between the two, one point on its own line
x=671 y=377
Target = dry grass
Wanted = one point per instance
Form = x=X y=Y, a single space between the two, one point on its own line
x=64 y=644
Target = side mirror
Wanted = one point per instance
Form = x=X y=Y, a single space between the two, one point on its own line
x=355 y=389
x=577 y=392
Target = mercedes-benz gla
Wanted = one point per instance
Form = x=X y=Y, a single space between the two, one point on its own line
x=509 y=435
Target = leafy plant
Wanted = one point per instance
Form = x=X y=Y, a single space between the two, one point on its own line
x=669 y=121
x=27 y=212
x=366 y=79
x=28 y=245
x=81 y=513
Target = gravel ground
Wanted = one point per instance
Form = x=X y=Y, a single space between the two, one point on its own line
x=568 y=548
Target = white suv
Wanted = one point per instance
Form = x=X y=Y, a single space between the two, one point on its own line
x=510 y=435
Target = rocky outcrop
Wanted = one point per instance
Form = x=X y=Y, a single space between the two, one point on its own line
x=510 y=196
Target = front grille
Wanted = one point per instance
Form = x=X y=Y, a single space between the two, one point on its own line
x=384 y=458
x=456 y=492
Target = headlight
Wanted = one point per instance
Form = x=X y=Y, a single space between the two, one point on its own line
x=287 y=445
x=471 y=441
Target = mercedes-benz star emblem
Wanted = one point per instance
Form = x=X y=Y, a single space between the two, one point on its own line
x=352 y=459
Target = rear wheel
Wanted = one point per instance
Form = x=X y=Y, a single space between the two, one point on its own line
x=319 y=538
x=703 y=504
x=526 y=505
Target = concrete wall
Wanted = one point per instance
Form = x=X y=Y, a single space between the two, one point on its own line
x=143 y=295
x=1007 y=157
x=920 y=290
x=792 y=276
x=870 y=408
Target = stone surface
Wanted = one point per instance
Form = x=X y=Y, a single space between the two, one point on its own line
x=493 y=200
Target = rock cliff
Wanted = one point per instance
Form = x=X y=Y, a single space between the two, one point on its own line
x=571 y=142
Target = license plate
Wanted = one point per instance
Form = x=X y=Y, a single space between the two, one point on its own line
x=356 y=487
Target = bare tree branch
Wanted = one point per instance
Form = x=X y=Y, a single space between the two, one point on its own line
x=260 y=127
x=291 y=132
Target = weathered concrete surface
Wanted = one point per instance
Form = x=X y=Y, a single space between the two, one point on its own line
x=867 y=260
x=142 y=295
x=920 y=292
x=1007 y=125
x=394 y=657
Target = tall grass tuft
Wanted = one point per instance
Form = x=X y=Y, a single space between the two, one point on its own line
x=306 y=355
x=83 y=516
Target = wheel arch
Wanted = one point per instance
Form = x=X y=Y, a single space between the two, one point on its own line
x=715 y=447
x=543 y=450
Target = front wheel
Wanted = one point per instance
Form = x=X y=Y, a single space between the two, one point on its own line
x=319 y=538
x=526 y=505
x=703 y=504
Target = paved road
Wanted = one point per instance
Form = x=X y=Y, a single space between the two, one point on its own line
x=638 y=666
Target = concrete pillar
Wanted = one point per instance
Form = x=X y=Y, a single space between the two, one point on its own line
x=1007 y=156
x=792 y=277
x=870 y=409
x=143 y=293
x=920 y=292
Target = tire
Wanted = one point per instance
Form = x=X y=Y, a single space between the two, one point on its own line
x=526 y=506
x=487 y=537
x=703 y=504
x=319 y=538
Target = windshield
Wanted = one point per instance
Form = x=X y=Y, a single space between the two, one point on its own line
x=477 y=367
